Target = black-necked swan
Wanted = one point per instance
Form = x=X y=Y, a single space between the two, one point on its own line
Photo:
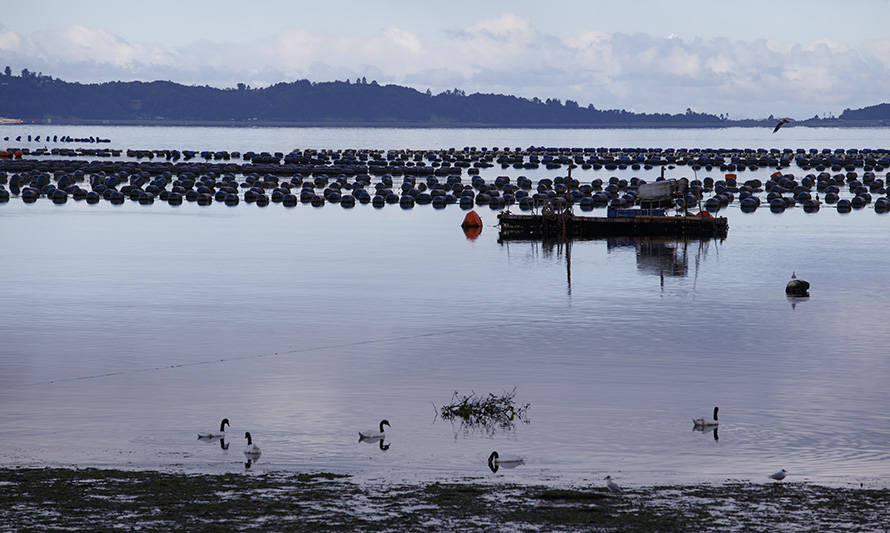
x=611 y=485
x=252 y=450
x=780 y=475
x=372 y=434
x=495 y=461
x=705 y=421
x=220 y=435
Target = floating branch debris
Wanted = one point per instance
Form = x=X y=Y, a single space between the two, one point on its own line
x=489 y=411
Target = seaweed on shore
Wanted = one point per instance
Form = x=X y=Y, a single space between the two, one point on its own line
x=90 y=499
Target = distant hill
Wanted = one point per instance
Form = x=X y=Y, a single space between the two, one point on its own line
x=875 y=112
x=34 y=97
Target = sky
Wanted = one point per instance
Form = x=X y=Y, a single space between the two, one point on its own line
x=746 y=59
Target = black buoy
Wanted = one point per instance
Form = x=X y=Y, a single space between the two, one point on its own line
x=797 y=287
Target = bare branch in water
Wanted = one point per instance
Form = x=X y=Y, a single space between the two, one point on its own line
x=485 y=412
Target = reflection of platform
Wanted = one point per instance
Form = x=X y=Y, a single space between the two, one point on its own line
x=663 y=257
x=571 y=226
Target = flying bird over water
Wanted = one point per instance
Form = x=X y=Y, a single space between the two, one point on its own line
x=780 y=124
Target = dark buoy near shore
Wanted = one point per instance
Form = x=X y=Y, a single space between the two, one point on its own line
x=797 y=287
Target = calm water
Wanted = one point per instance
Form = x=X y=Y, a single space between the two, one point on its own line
x=125 y=330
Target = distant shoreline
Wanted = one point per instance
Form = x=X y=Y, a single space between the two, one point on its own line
x=437 y=125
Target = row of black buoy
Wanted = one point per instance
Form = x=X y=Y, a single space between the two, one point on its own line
x=365 y=160
x=806 y=192
x=145 y=187
x=57 y=139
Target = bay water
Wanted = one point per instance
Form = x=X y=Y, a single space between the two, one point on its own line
x=126 y=330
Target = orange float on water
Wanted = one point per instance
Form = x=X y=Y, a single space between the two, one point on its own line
x=472 y=220
x=472 y=225
x=472 y=232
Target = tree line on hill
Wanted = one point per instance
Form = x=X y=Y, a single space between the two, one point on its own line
x=35 y=97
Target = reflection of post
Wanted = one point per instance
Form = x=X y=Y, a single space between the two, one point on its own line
x=569 y=266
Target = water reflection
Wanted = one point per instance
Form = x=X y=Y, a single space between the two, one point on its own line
x=665 y=257
x=375 y=440
x=794 y=300
x=705 y=429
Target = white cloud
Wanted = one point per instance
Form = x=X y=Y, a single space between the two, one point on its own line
x=404 y=39
x=506 y=54
x=9 y=40
x=508 y=24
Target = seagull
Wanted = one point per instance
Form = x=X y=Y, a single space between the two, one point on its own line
x=612 y=486
x=780 y=124
x=780 y=475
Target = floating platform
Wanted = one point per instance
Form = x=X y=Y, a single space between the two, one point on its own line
x=572 y=226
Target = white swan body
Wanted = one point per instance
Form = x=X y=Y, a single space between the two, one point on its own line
x=216 y=435
x=704 y=421
x=252 y=450
x=497 y=461
x=374 y=434
x=612 y=486
x=780 y=475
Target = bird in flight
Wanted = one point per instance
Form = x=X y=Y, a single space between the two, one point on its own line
x=780 y=124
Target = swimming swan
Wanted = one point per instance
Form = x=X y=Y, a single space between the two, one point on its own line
x=495 y=461
x=252 y=451
x=705 y=422
x=220 y=435
x=371 y=434
x=612 y=486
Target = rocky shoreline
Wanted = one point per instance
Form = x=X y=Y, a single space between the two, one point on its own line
x=40 y=499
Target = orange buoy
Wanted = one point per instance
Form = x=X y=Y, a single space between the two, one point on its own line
x=472 y=232
x=472 y=220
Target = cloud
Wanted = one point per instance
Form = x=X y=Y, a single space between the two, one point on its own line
x=504 y=54
x=505 y=25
